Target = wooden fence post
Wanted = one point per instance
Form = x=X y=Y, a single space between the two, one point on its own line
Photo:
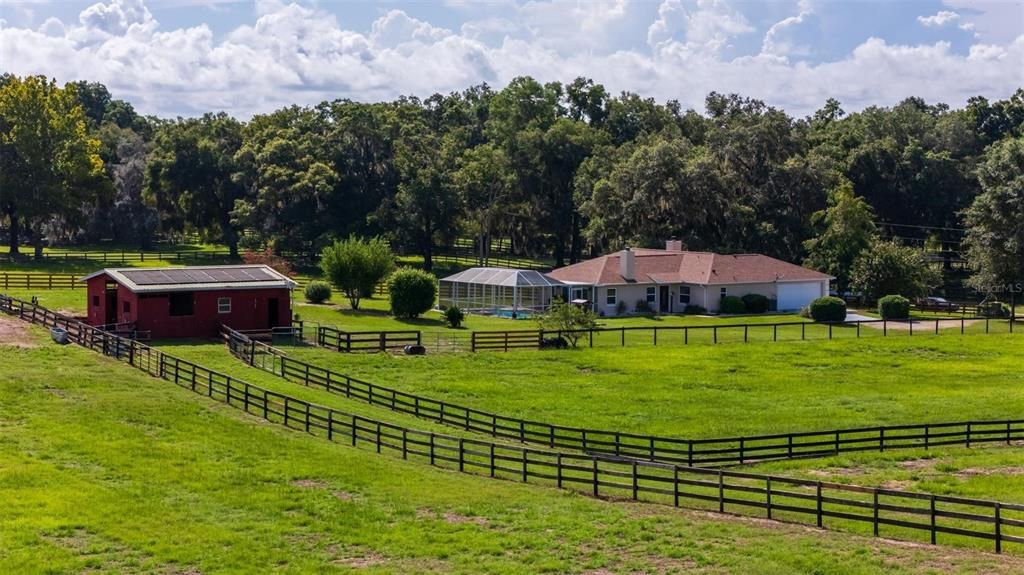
x=999 y=529
x=768 y=496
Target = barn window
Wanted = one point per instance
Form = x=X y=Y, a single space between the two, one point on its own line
x=126 y=306
x=181 y=303
x=95 y=301
x=223 y=305
x=684 y=294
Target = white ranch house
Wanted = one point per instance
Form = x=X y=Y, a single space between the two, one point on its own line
x=670 y=279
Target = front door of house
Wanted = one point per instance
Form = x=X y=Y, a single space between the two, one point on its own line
x=664 y=301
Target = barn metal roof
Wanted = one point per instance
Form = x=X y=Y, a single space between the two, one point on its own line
x=503 y=277
x=196 y=278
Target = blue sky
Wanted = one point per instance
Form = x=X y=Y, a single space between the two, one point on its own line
x=188 y=56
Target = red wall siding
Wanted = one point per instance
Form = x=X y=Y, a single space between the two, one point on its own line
x=151 y=312
x=249 y=310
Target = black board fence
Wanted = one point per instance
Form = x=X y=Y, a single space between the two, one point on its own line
x=690 y=452
x=129 y=256
x=903 y=514
x=10 y=280
x=676 y=335
x=349 y=341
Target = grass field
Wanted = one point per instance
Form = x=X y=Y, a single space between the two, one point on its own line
x=105 y=470
x=725 y=390
x=108 y=471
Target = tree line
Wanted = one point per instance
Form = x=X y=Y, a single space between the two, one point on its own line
x=558 y=170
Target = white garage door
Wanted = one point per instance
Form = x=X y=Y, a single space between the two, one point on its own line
x=797 y=295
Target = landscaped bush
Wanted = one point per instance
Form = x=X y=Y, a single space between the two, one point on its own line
x=412 y=292
x=828 y=308
x=695 y=309
x=756 y=303
x=454 y=317
x=732 y=304
x=642 y=306
x=317 y=292
x=894 y=307
x=620 y=308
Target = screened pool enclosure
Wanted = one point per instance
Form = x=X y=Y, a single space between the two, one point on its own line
x=499 y=291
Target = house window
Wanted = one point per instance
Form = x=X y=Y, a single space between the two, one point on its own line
x=126 y=307
x=576 y=293
x=611 y=297
x=223 y=305
x=652 y=294
x=725 y=292
x=95 y=301
x=181 y=304
x=684 y=294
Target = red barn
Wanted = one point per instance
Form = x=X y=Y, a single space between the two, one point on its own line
x=190 y=301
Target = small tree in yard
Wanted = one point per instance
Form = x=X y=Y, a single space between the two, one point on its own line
x=412 y=292
x=454 y=317
x=565 y=317
x=889 y=268
x=356 y=266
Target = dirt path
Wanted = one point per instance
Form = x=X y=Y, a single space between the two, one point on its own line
x=923 y=324
x=15 y=333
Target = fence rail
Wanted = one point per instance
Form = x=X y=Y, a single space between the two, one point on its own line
x=128 y=256
x=745 y=332
x=712 y=452
x=39 y=281
x=349 y=341
x=959 y=520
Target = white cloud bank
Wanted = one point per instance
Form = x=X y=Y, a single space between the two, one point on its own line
x=300 y=54
x=940 y=18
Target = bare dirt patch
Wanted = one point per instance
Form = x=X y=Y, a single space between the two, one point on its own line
x=975 y=471
x=15 y=333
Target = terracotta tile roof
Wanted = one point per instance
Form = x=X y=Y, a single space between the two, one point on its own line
x=701 y=268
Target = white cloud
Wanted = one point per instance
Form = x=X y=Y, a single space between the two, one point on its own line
x=301 y=54
x=779 y=39
x=993 y=20
x=940 y=18
x=707 y=27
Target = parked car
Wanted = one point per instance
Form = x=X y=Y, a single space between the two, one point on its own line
x=933 y=303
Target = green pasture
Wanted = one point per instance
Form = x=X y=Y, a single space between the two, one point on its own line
x=106 y=470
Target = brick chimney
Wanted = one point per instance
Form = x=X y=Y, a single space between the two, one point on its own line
x=673 y=245
x=627 y=264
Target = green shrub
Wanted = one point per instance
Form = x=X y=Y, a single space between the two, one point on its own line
x=620 y=308
x=732 y=304
x=894 y=307
x=454 y=316
x=756 y=303
x=695 y=309
x=317 y=292
x=805 y=311
x=412 y=292
x=566 y=319
x=828 y=308
x=642 y=306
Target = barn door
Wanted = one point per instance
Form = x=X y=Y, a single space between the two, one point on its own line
x=272 y=313
x=111 y=308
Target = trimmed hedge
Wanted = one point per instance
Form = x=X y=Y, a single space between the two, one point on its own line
x=894 y=307
x=317 y=292
x=828 y=308
x=732 y=304
x=756 y=303
x=412 y=292
x=695 y=309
